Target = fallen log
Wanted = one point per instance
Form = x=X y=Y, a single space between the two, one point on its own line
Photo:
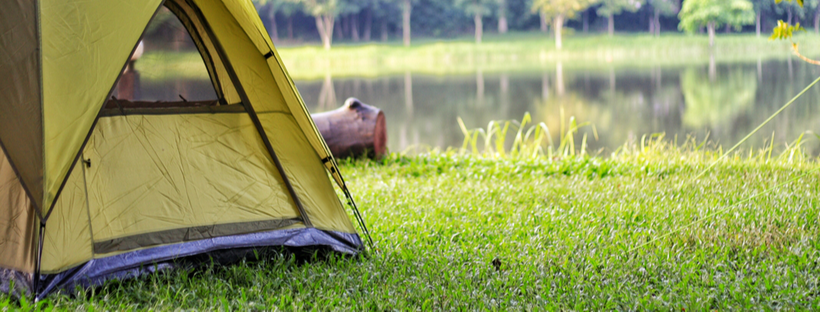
x=353 y=130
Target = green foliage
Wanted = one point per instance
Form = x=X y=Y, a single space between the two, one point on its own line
x=615 y=7
x=476 y=7
x=695 y=14
x=784 y=31
x=286 y=7
x=666 y=7
x=799 y=2
x=322 y=7
x=565 y=8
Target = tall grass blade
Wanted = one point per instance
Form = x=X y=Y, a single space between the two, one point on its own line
x=759 y=127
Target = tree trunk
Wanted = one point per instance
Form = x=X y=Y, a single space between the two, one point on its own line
x=353 y=130
x=290 y=27
x=728 y=28
x=651 y=26
x=274 y=32
x=657 y=23
x=503 y=27
x=789 y=15
x=711 y=29
x=817 y=20
x=384 y=30
x=344 y=22
x=354 y=27
x=586 y=22
x=611 y=25
x=479 y=28
x=324 y=23
x=559 y=26
x=757 y=24
x=543 y=18
x=368 y=24
x=340 y=29
x=406 y=10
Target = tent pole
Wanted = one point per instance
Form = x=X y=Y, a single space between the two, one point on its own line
x=355 y=208
x=39 y=260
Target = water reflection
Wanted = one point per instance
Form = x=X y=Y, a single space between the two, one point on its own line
x=725 y=100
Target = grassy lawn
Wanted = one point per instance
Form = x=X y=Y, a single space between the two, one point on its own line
x=563 y=230
x=515 y=53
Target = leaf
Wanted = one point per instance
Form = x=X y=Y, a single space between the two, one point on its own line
x=784 y=31
x=800 y=2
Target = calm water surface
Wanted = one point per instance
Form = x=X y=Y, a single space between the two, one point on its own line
x=726 y=102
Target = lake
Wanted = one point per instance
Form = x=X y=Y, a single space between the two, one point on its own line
x=724 y=100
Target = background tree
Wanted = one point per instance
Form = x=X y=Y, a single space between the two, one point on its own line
x=695 y=14
x=610 y=8
x=761 y=7
x=324 y=13
x=406 y=10
x=558 y=11
x=661 y=8
x=477 y=9
x=501 y=14
x=274 y=7
x=349 y=18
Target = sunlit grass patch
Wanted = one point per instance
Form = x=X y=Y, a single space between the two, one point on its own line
x=465 y=230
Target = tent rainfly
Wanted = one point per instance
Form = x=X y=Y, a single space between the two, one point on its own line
x=93 y=187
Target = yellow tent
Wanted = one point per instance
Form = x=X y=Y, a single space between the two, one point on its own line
x=93 y=187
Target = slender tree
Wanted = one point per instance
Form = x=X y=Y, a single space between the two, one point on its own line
x=477 y=9
x=385 y=11
x=661 y=8
x=406 y=11
x=695 y=14
x=324 y=13
x=558 y=11
x=503 y=26
x=610 y=8
x=274 y=7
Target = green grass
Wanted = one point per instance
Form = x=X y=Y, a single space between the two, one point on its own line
x=513 y=53
x=562 y=228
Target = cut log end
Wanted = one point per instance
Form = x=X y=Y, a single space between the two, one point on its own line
x=355 y=129
x=380 y=139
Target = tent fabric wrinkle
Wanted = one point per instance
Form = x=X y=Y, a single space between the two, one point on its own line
x=81 y=51
x=131 y=186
